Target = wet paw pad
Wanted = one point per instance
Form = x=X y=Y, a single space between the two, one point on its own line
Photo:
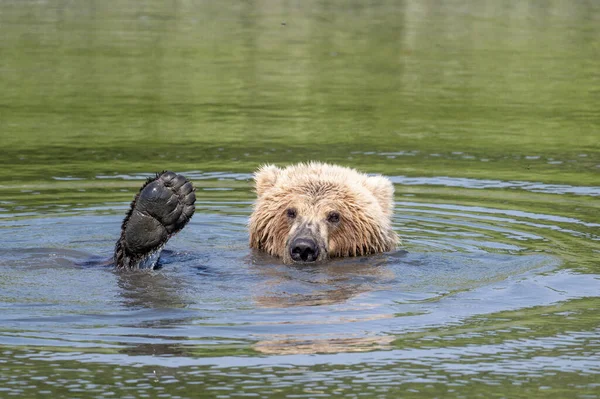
x=163 y=207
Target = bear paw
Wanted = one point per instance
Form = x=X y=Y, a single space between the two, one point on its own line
x=163 y=206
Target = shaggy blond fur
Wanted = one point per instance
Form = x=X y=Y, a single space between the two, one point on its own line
x=315 y=190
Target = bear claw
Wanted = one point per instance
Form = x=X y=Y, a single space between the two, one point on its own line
x=162 y=207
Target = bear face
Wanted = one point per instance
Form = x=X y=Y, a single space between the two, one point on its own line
x=314 y=211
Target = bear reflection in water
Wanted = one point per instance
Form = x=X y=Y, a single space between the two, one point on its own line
x=303 y=213
x=288 y=298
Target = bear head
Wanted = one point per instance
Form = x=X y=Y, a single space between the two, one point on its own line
x=313 y=211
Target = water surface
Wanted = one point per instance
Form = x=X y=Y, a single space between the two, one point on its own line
x=483 y=115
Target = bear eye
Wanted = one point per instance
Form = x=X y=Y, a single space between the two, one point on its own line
x=291 y=213
x=333 y=217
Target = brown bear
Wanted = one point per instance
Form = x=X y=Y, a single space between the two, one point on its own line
x=303 y=213
x=314 y=211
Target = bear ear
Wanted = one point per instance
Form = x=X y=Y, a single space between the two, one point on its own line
x=383 y=190
x=265 y=178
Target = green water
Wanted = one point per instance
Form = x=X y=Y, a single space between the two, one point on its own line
x=486 y=115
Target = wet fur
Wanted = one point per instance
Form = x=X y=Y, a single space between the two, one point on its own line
x=365 y=205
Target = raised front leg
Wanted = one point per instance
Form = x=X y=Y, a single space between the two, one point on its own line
x=163 y=206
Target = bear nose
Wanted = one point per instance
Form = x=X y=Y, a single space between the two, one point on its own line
x=304 y=250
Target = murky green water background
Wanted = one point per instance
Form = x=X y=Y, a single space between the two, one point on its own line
x=485 y=115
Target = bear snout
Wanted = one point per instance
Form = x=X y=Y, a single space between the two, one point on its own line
x=304 y=249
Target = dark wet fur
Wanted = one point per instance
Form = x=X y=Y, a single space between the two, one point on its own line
x=162 y=207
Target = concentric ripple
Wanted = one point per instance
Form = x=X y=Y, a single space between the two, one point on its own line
x=467 y=268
